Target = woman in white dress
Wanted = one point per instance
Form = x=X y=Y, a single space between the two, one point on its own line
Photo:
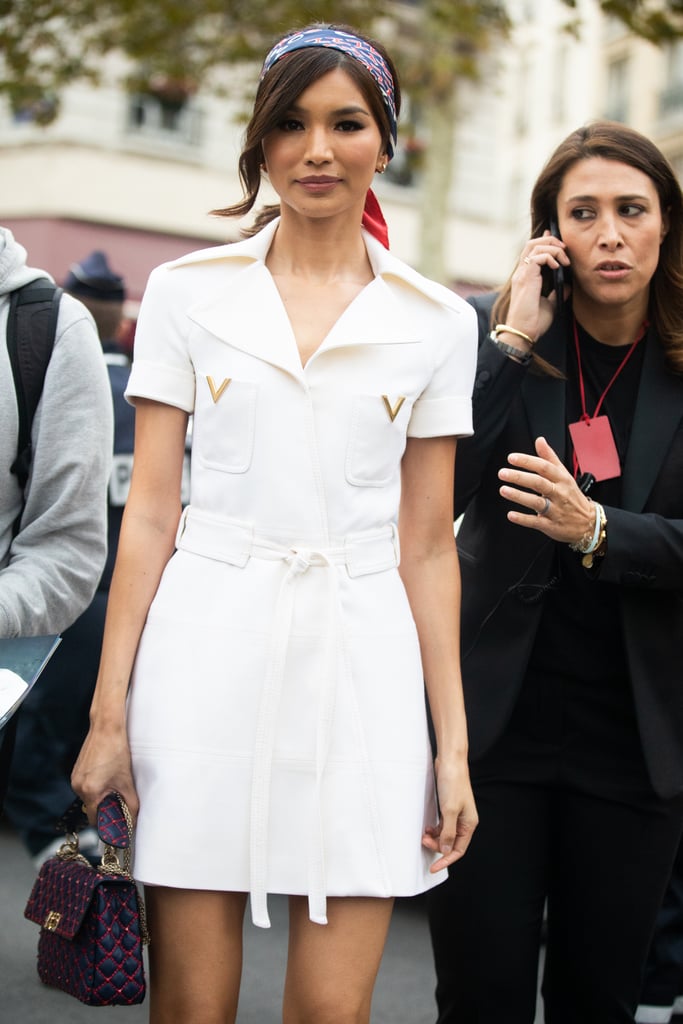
x=260 y=700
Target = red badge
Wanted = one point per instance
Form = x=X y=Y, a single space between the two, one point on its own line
x=594 y=447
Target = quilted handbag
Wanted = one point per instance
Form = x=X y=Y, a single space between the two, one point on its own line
x=92 y=920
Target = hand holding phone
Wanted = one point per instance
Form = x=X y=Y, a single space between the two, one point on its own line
x=556 y=278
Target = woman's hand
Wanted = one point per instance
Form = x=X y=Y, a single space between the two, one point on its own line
x=529 y=310
x=458 y=814
x=555 y=505
x=104 y=766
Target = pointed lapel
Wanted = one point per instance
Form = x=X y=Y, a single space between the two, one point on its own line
x=247 y=311
x=375 y=317
x=544 y=396
x=248 y=314
x=391 y=309
x=658 y=412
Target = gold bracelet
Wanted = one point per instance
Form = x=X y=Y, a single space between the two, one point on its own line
x=582 y=546
x=601 y=546
x=502 y=328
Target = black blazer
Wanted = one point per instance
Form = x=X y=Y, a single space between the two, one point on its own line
x=512 y=406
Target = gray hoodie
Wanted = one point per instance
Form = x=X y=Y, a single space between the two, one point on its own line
x=49 y=572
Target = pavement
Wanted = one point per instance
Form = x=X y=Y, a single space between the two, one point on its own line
x=404 y=993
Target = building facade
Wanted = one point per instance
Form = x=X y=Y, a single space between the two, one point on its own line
x=138 y=174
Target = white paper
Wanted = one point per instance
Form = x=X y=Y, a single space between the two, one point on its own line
x=12 y=689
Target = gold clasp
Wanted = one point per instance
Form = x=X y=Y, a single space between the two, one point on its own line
x=52 y=921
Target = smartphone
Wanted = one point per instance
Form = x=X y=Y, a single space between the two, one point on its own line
x=555 y=280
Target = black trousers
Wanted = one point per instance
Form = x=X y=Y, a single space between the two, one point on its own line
x=568 y=818
x=51 y=726
x=663 y=979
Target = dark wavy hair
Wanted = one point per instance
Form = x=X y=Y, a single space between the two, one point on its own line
x=614 y=141
x=276 y=95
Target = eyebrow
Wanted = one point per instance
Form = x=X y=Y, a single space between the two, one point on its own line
x=340 y=112
x=621 y=199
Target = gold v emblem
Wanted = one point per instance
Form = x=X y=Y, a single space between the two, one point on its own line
x=393 y=410
x=216 y=392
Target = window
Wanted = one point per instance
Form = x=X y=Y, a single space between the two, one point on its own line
x=617 y=90
x=676 y=161
x=164 y=111
x=558 y=98
x=41 y=109
x=671 y=97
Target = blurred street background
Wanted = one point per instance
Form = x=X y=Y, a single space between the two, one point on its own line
x=404 y=992
x=120 y=127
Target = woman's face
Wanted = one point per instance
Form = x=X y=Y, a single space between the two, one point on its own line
x=322 y=157
x=612 y=224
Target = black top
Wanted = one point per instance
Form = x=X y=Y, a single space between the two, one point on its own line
x=581 y=615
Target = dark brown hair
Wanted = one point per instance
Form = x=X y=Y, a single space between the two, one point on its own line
x=276 y=95
x=614 y=141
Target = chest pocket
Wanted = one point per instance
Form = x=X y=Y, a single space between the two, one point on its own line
x=377 y=439
x=224 y=424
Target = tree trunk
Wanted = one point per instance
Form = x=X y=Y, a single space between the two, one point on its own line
x=437 y=177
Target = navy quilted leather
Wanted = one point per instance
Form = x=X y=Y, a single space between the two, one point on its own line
x=112 y=826
x=91 y=936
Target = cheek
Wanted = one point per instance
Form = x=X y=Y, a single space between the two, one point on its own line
x=278 y=150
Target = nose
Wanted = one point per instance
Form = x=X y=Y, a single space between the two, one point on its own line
x=318 y=146
x=610 y=231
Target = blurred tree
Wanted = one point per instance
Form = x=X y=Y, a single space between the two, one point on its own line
x=176 y=45
x=657 y=20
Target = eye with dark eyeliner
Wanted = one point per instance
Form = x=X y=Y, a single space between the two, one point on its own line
x=581 y=213
x=631 y=209
x=290 y=124
x=628 y=209
x=350 y=126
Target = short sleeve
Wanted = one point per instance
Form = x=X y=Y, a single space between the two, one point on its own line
x=162 y=369
x=445 y=405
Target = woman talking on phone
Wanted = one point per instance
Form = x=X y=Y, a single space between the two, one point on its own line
x=571 y=553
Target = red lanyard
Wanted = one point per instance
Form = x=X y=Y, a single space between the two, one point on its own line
x=582 y=390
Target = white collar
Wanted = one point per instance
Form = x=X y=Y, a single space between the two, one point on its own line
x=384 y=264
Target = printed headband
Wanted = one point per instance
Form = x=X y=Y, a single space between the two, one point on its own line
x=354 y=47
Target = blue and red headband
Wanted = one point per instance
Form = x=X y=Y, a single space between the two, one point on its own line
x=364 y=53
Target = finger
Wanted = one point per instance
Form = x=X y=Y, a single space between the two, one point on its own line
x=462 y=839
x=537 y=504
x=530 y=481
x=541 y=253
x=89 y=813
x=527 y=463
x=544 y=451
x=430 y=842
x=548 y=469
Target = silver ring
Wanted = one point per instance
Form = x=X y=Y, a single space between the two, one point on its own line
x=546 y=508
x=527 y=259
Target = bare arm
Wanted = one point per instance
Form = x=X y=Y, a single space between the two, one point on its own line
x=146 y=543
x=429 y=569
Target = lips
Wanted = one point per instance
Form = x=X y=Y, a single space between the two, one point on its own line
x=612 y=265
x=318 y=179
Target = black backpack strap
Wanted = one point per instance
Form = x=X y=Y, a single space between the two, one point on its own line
x=7 y=738
x=31 y=328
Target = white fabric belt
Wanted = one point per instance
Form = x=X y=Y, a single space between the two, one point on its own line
x=227 y=540
x=361 y=554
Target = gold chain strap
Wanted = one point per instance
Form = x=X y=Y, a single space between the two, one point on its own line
x=110 y=863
